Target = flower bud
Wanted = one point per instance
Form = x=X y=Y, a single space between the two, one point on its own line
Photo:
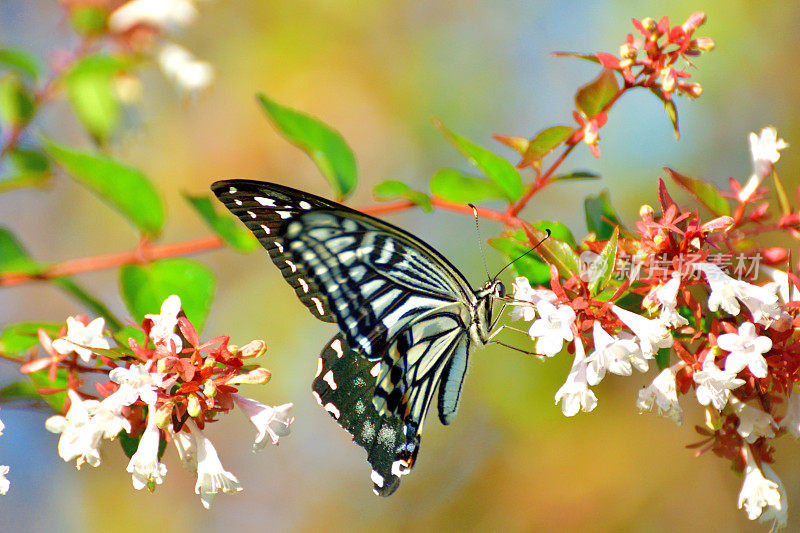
x=695 y=20
x=668 y=79
x=704 y=44
x=193 y=407
x=645 y=211
x=164 y=415
x=233 y=349
x=254 y=348
x=259 y=376
x=209 y=362
x=627 y=51
x=210 y=388
x=649 y=24
x=165 y=364
x=692 y=89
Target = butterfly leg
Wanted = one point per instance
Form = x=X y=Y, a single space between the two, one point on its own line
x=527 y=352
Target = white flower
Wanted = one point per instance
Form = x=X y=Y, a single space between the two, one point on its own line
x=187 y=449
x=575 y=394
x=666 y=297
x=2 y=427
x=777 y=513
x=163 y=330
x=757 y=491
x=753 y=423
x=786 y=289
x=80 y=339
x=5 y=484
x=268 y=420
x=764 y=153
x=144 y=466
x=714 y=385
x=526 y=297
x=163 y=14
x=725 y=291
x=610 y=354
x=651 y=334
x=662 y=394
x=746 y=350
x=80 y=436
x=553 y=328
x=107 y=416
x=186 y=71
x=792 y=419
x=136 y=382
x=212 y=478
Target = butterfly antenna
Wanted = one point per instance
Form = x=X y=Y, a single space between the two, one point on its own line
x=523 y=255
x=480 y=241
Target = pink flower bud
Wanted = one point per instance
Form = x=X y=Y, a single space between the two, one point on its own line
x=254 y=348
x=259 y=376
x=705 y=44
x=694 y=21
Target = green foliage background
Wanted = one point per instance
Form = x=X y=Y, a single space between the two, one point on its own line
x=379 y=72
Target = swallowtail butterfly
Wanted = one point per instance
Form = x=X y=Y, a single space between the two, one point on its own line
x=408 y=318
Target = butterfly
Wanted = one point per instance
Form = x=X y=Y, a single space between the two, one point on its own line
x=408 y=318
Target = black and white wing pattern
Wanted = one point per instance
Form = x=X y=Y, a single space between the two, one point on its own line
x=408 y=318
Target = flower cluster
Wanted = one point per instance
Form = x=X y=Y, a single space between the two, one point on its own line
x=141 y=26
x=165 y=389
x=729 y=341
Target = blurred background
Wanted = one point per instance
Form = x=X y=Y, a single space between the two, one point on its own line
x=379 y=72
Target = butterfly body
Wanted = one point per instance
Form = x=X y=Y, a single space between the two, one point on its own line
x=408 y=318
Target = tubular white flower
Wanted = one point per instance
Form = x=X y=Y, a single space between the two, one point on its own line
x=746 y=350
x=144 y=466
x=553 y=328
x=753 y=423
x=663 y=395
x=269 y=421
x=726 y=293
x=81 y=339
x=526 y=298
x=107 y=416
x=187 y=449
x=651 y=334
x=184 y=69
x=714 y=385
x=80 y=436
x=5 y=484
x=792 y=419
x=777 y=513
x=757 y=491
x=575 y=394
x=136 y=382
x=786 y=289
x=163 y=14
x=666 y=298
x=212 y=478
x=764 y=153
x=163 y=330
x=610 y=354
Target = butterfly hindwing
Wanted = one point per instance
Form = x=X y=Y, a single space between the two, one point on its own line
x=344 y=387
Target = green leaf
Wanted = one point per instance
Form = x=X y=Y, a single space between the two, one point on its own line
x=578 y=55
x=126 y=333
x=494 y=167
x=17 y=340
x=391 y=189
x=555 y=252
x=91 y=93
x=529 y=265
x=607 y=262
x=558 y=230
x=16 y=102
x=21 y=61
x=576 y=175
x=15 y=258
x=28 y=168
x=662 y=358
x=600 y=215
x=456 y=186
x=591 y=98
x=545 y=142
x=706 y=193
x=88 y=19
x=41 y=379
x=124 y=188
x=18 y=392
x=326 y=146
x=145 y=287
x=223 y=225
